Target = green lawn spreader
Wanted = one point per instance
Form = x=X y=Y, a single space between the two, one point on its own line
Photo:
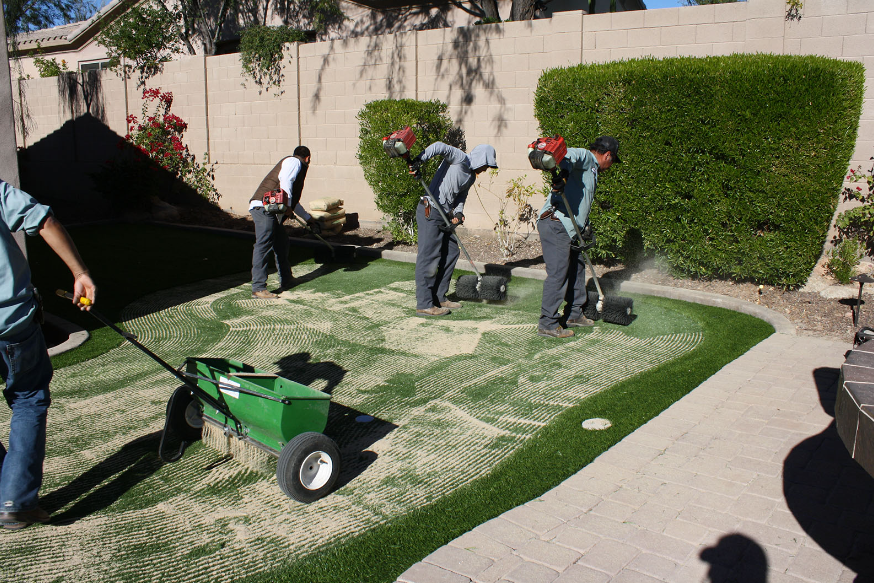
x=247 y=412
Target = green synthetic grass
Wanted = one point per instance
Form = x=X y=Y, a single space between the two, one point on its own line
x=153 y=258
x=551 y=456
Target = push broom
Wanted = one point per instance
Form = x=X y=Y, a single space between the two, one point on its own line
x=546 y=154
x=467 y=287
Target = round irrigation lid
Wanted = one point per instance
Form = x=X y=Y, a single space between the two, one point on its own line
x=363 y=419
x=596 y=424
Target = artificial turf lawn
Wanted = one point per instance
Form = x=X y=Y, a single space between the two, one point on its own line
x=544 y=461
x=155 y=258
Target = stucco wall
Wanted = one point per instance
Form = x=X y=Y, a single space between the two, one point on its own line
x=487 y=75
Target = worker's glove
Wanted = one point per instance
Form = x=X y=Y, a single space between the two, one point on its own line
x=559 y=179
x=415 y=166
x=460 y=217
x=315 y=227
x=450 y=228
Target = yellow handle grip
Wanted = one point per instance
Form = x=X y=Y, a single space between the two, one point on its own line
x=65 y=294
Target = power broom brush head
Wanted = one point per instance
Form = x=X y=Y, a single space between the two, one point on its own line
x=493 y=288
x=614 y=310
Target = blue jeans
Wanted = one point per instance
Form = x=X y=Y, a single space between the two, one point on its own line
x=269 y=236
x=26 y=367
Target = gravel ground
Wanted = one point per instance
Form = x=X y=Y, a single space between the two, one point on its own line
x=821 y=308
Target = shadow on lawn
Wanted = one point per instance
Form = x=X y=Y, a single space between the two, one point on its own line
x=133 y=463
x=830 y=494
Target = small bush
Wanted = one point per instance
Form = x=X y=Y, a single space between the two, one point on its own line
x=858 y=222
x=396 y=192
x=731 y=165
x=515 y=213
x=844 y=258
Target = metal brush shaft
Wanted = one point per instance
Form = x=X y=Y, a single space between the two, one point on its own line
x=307 y=227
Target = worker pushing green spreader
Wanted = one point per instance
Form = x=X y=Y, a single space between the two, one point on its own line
x=249 y=414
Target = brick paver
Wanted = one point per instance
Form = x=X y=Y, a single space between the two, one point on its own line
x=745 y=477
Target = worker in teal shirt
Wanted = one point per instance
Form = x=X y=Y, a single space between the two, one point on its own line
x=565 y=269
x=24 y=359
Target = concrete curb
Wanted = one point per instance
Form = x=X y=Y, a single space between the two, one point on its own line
x=76 y=335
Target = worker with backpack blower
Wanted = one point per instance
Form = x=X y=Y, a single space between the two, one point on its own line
x=438 y=249
x=565 y=268
x=278 y=194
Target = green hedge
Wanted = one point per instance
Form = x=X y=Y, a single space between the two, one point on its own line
x=397 y=193
x=732 y=166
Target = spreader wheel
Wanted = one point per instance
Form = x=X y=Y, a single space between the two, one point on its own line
x=185 y=415
x=308 y=467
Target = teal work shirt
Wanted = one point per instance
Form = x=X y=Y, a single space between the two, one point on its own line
x=580 y=189
x=20 y=212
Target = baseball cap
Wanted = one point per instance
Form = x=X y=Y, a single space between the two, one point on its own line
x=608 y=144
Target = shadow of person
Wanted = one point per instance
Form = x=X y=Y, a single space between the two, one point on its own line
x=736 y=559
x=298 y=368
x=133 y=463
x=829 y=494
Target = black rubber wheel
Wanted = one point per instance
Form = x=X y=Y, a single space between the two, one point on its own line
x=308 y=467
x=185 y=416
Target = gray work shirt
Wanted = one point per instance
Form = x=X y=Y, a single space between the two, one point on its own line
x=20 y=212
x=453 y=178
x=580 y=189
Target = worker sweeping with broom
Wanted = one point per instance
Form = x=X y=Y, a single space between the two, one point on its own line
x=577 y=178
x=438 y=249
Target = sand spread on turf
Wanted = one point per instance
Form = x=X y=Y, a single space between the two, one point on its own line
x=449 y=398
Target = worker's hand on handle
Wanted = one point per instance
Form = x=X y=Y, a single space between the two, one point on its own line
x=84 y=291
x=315 y=226
x=559 y=179
x=415 y=167
x=457 y=218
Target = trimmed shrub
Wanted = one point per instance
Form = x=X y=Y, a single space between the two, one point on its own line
x=731 y=166
x=397 y=193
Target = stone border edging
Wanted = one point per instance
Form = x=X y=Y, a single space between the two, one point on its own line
x=780 y=322
x=77 y=335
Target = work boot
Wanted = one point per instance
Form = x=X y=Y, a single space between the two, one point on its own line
x=557 y=333
x=450 y=305
x=580 y=322
x=433 y=311
x=22 y=518
x=263 y=294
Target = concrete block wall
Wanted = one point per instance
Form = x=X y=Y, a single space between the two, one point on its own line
x=486 y=74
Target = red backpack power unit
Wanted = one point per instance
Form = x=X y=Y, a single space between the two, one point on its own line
x=275 y=202
x=547 y=153
x=398 y=144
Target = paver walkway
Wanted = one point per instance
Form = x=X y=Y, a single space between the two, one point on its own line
x=744 y=479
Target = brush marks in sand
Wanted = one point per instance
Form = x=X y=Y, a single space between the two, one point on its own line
x=450 y=398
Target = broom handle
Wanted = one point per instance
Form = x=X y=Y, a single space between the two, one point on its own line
x=305 y=226
x=448 y=224
x=567 y=207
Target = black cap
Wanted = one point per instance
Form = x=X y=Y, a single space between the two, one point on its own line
x=607 y=144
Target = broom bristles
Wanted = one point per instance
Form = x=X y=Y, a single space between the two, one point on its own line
x=244 y=452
